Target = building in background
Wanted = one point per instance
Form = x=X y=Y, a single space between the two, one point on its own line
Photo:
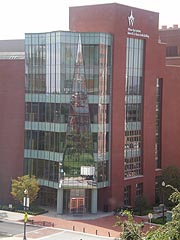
x=12 y=49
x=171 y=36
x=12 y=114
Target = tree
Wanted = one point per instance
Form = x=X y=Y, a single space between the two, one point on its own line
x=131 y=229
x=140 y=204
x=22 y=183
x=171 y=230
x=171 y=176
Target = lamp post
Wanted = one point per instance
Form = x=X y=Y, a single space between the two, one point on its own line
x=26 y=206
x=163 y=185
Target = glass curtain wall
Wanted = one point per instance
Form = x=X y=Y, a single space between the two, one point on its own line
x=68 y=86
x=133 y=107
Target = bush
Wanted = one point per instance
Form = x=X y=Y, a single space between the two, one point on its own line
x=141 y=205
x=20 y=209
x=159 y=220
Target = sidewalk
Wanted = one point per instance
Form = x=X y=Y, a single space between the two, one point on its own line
x=97 y=224
x=11 y=216
x=101 y=224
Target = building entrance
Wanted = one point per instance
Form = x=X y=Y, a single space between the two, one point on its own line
x=76 y=201
x=77 y=205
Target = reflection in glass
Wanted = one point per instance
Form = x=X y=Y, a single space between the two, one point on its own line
x=78 y=164
x=133 y=107
x=68 y=86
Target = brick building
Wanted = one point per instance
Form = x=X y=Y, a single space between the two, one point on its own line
x=101 y=115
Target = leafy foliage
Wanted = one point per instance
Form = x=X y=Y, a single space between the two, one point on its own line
x=22 y=183
x=171 y=230
x=141 y=205
x=171 y=177
x=131 y=229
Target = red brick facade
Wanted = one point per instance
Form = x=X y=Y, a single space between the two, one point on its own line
x=109 y=18
x=113 y=18
x=12 y=124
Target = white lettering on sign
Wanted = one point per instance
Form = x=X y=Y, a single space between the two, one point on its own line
x=137 y=32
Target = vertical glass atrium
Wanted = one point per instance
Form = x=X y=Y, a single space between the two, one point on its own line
x=67 y=128
x=133 y=107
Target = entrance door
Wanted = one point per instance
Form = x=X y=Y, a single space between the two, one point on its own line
x=77 y=205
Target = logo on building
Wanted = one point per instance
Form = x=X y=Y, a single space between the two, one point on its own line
x=131 y=19
x=134 y=31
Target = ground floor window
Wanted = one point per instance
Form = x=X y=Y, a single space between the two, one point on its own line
x=75 y=201
x=127 y=195
x=48 y=196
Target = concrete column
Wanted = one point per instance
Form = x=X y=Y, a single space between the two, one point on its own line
x=59 y=201
x=94 y=201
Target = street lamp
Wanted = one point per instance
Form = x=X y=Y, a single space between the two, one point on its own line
x=163 y=185
x=26 y=206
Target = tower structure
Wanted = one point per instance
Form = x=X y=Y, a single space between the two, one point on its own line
x=67 y=141
x=78 y=168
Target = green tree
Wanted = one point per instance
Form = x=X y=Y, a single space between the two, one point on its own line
x=22 y=183
x=171 y=230
x=171 y=176
x=141 y=205
x=131 y=230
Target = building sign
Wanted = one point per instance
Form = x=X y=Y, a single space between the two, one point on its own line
x=131 y=30
x=137 y=32
x=131 y=19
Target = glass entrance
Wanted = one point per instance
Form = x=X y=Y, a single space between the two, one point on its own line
x=76 y=201
x=77 y=205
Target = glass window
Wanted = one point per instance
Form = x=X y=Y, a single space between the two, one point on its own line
x=41 y=140
x=93 y=108
x=35 y=112
x=55 y=63
x=133 y=112
x=34 y=140
x=39 y=167
x=57 y=113
x=28 y=112
x=139 y=190
x=64 y=112
x=127 y=195
x=27 y=144
x=102 y=171
x=41 y=112
x=172 y=51
x=133 y=107
x=91 y=55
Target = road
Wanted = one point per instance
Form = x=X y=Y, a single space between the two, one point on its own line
x=10 y=228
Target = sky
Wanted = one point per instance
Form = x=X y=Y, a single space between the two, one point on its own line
x=18 y=17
